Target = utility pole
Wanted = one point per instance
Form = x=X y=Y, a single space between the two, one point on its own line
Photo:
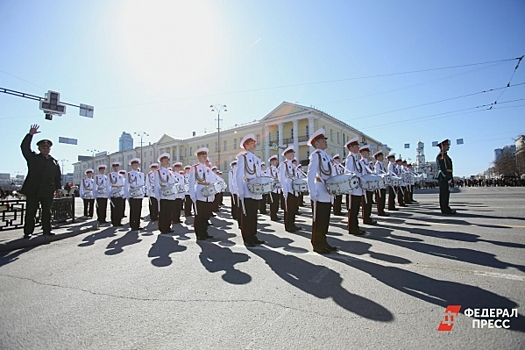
x=218 y=108
x=141 y=134
x=62 y=170
x=93 y=157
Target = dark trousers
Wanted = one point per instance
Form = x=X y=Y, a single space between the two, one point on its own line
x=123 y=208
x=274 y=204
x=221 y=196
x=444 y=197
x=249 y=221
x=300 y=200
x=380 y=201
x=135 y=209
x=400 y=196
x=367 y=206
x=355 y=203
x=202 y=216
x=117 y=210
x=165 y=213
x=188 y=203
x=347 y=201
x=392 y=197
x=215 y=203
x=153 y=209
x=262 y=204
x=292 y=203
x=282 y=201
x=177 y=207
x=88 y=207
x=240 y=212
x=320 y=225
x=234 y=206
x=407 y=195
x=338 y=201
x=102 y=207
x=31 y=209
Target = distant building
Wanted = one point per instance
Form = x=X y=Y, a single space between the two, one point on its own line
x=125 y=142
x=520 y=153
x=498 y=152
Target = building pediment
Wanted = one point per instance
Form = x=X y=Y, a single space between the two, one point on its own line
x=284 y=109
x=165 y=139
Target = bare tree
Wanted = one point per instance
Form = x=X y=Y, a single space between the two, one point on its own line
x=506 y=165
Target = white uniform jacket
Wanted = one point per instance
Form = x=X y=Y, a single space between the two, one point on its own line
x=356 y=167
x=164 y=184
x=101 y=189
x=87 y=186
x=287 y=173
x=380 y=168
x=248 y=167
x=231 y=181
x=200 y=177
x=320 y=169
x=187 y=184
x=150 y=184
x=273 y=172
x=179 y=179
x=135 y=183
x=392 y=168
x=116 y=184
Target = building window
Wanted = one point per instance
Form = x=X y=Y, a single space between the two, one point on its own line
x=291 y=133
x=331 y=135
x=234 y=143
x=308 y=154
x=258 y=138
x=191 y=150
x=307 y=131
x=277 y=134
x=344 y=141
x=225 y=147
x=338 y=138
x=207 y=146
x=225 y=165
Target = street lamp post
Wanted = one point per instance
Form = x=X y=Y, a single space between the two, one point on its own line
x=218 y=108
x=62 y=168
x=141 y=134
x=93 y=156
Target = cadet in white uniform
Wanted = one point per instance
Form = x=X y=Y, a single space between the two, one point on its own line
x=165 y=192
x=201 y=177
x=188 y=203
x=288 y=173
x=153 y=202
x=101 y=192
x=179 y=196
x=320 y=170
x=233 y=189
x=355 y=166
x=273 y=171
x=248 y=167
x=264 y=200
x=391 y=170
x=87 y=185
x=381 y=194
x=400 y=189
x=116 y=183
x=367 y=201
x=134 y=191
x=338 y=169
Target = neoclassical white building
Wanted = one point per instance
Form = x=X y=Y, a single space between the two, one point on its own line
x=288 y=124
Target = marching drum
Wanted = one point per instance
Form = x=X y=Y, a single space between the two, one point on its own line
x=180 y=187
x=167 y=191
x=260 y=185
x=342 y=184
x=117 y=192
x=277 y=185
x=371 y=182
x=223 y=186
x=101 y=190
x=136 y=191
x=406 y=177
x=300 y=185
x=395 y=180
x=211 y=189
x=88 y=195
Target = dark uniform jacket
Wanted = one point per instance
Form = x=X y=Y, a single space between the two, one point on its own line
x=43 y=177
x=444 y=167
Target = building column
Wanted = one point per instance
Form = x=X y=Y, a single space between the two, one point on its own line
x=266 y=138
x=178 y=153
x=280 y=128
x=311 y=130
x=296 y=139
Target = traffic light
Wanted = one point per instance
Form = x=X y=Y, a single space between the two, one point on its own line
x=51 y=105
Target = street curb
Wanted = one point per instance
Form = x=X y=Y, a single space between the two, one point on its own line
x=41 y=239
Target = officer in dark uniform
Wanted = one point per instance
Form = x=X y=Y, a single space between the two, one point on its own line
x=42 y=181
x=444 y=177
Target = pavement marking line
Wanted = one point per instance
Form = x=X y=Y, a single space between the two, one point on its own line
x=452 y=224
x=319 y=276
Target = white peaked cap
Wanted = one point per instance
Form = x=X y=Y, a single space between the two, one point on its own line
x=246 y=138
x=288 y=149
x=316 y=135
x=202 y=150
x=163 y=155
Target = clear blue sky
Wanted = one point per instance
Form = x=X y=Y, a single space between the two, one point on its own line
x=156 y=66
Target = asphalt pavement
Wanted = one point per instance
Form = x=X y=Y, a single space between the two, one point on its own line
x=112 y=288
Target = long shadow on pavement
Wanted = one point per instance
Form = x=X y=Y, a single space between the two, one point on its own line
x=216 y=258
x=116 y=246
x=162 y=248
x=91 y=239
x=8 y=257
x=321 y=282
x=434 y=291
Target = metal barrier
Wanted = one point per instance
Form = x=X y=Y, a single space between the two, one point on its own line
x=12 y=213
